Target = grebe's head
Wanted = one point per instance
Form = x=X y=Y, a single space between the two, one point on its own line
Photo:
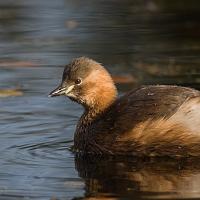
x=88 y=83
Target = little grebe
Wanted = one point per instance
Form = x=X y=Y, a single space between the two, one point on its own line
x=158 y=120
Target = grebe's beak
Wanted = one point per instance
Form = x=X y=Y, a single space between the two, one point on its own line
x=61 y=90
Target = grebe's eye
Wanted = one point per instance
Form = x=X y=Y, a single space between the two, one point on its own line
x=78 y=81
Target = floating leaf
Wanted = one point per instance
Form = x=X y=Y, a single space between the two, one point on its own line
x=10 y=92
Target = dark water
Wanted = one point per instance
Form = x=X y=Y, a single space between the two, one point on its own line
x=153 y=41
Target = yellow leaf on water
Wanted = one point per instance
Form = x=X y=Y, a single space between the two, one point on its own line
x=10 y=92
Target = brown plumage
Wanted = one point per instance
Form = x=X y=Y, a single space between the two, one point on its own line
x=156 y=120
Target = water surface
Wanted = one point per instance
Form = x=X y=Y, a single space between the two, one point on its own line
x=151 y=41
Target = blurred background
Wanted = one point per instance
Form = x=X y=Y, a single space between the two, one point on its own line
x=139 y=42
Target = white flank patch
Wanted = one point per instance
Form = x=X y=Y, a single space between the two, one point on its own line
x=189 y=115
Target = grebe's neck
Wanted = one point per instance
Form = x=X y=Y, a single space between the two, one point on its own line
x=92 y=113
x=98 y=107
x=99 y=93
x=99 y=103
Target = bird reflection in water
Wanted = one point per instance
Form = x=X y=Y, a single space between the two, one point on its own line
x=131 y=178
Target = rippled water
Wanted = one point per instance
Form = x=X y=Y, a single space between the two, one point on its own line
x=153 y=41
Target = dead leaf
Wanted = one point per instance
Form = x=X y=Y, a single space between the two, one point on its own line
x=10 y=92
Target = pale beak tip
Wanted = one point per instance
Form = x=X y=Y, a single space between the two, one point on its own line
x=57 y=92
x=53 y=94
